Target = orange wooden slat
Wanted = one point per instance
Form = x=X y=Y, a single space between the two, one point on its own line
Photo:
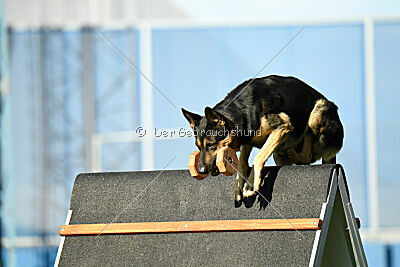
x=191 y=226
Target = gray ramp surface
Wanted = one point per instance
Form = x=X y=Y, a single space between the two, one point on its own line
x=294 y=191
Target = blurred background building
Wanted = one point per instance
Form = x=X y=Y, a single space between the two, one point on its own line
x=71 y=102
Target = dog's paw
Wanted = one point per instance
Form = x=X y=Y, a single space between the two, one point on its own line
x=237 y=197
x=249 y=195
x=248 y=190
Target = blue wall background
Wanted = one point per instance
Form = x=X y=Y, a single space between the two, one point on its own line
x=197 y=67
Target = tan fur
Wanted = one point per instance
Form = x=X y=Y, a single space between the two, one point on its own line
x=262 y=133
x=285 y=118
x=315 y=118
x=268 y=124
x=198 y=143
x=210 y=155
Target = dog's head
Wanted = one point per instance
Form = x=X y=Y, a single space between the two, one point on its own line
x=211 y=132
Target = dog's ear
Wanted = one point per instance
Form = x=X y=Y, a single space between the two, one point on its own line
x=193 y=118
x=216 y=117
x=212 y=115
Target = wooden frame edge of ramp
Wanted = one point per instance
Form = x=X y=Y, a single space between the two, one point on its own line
x=197 y=224
x=192 y=226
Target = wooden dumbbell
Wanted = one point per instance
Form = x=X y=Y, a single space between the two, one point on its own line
x=227 y=161
x=193 y=162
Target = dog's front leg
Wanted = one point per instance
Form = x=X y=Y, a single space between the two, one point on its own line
x=273 y=141
x=242 y=173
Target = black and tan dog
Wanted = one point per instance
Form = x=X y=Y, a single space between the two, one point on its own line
x=282 y=116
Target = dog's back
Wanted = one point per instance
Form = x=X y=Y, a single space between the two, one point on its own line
x=247 y=104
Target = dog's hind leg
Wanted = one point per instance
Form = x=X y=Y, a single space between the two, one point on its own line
x=275 y=138
x=281 y=160
x=330 y=161
x=305 y=155
x=326 y=126
x=242 y=173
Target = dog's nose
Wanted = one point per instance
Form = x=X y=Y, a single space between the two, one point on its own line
x=202 y=169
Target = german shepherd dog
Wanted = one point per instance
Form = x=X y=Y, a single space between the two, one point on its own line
x=282 y=116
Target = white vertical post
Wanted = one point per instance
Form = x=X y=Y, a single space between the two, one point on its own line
x=370 y=98
x=96 y=159
x=146 y=96
x=88 y=95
